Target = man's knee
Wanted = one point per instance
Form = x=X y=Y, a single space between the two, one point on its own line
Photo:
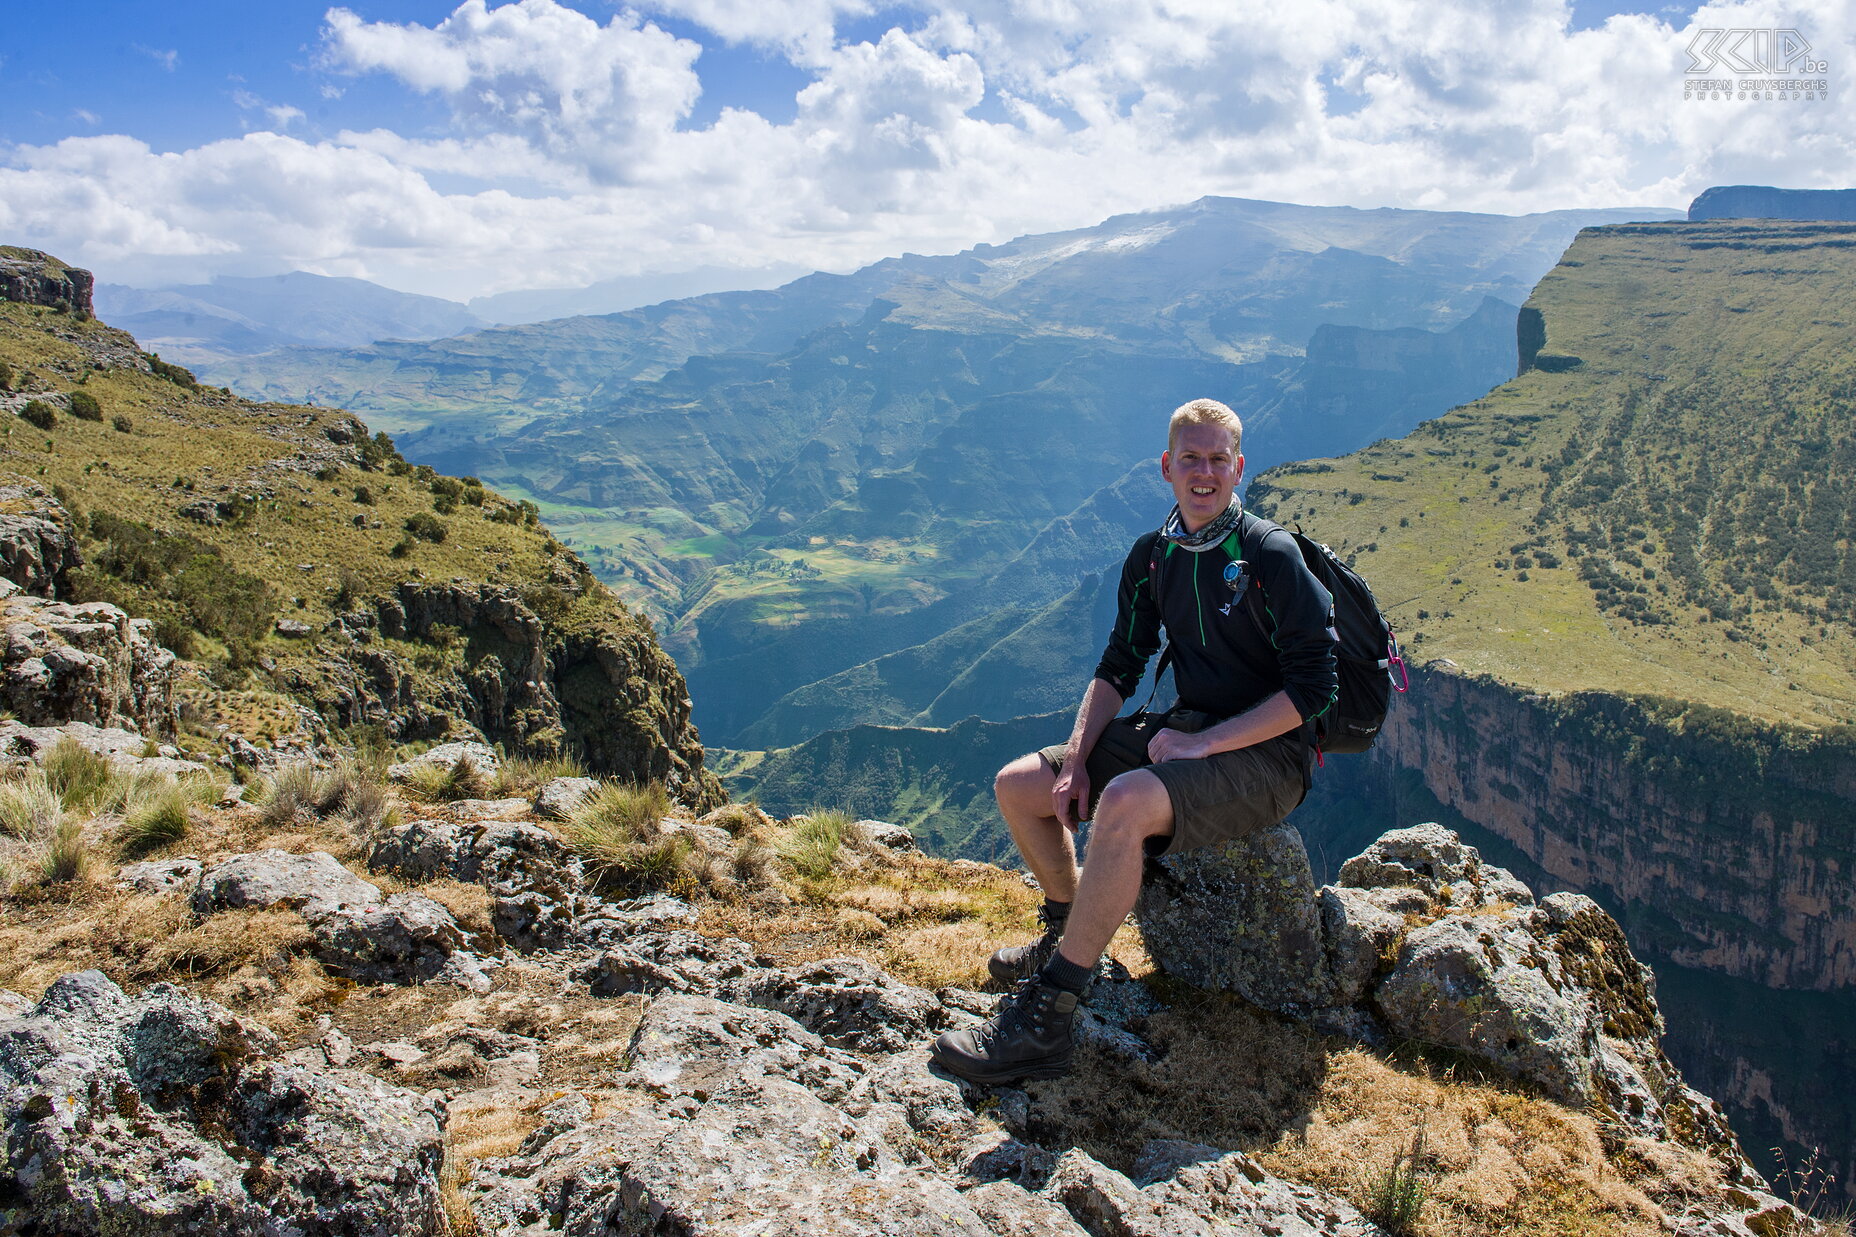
x=1134 y=805
x=1027 y=778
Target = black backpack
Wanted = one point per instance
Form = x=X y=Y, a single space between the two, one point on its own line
x=1366 y=657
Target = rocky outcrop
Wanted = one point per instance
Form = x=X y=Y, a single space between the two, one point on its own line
x=21 y=744
x=1421 y=941
x=35 y=278
x=602 y=689
x=164 y=1114
x=88 y=663
x=405 y=939
x=37 y=546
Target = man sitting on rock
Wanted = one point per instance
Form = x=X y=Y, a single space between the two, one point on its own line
x=1232 y=759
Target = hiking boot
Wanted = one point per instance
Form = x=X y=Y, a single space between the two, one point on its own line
x=1016 y=963
x=1029 y=1038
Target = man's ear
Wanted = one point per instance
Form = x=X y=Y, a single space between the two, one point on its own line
x=1166 y=465
x=1239 y=479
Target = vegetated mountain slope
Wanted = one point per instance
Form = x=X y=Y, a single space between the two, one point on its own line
x=1663 y=504
x=199 y=323
x=301 y=562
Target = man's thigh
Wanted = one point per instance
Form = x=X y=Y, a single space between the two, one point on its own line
x=1231 y=795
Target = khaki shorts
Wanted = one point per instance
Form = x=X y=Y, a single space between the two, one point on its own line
x=1218 y=798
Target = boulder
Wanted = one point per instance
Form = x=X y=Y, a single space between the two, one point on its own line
x=847 y=1002
x=163 y=1114
x=21 y=744
x=84 y=663
x=1433 y=860
x=503 y=857
x=160 y=875
x=313 y=884
x=1240 y=918
x=408 y=939
x=558 y=799
x=444 y=757
x=881 y=835
x=37 y=546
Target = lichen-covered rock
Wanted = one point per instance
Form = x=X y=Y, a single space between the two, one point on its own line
x=1485 y=983
x=408 y=939
x=160 y=1114
x=37 y=546
x=1432 y=859
x=445 y=757
x=84 y=663
x=847 y=1002
x=695 y=1045
x=313 y=883
x=160 y=875
x=1240 y=918
x=503 y=857
x=1361 y=929
x=125 y=749
x=1201 y=1192
x=560 y=796
x=669 y=962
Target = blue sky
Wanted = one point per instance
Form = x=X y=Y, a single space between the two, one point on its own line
x=479 y=147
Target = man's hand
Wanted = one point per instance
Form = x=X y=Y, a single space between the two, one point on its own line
x=1177 y=745
x=1070 y=796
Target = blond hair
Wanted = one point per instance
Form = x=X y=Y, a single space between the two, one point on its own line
x=1205 y=412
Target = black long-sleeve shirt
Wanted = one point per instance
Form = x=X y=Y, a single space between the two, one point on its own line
x=1224 y=659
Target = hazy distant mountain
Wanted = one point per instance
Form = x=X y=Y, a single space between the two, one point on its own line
x=1766 y=202
x=199 y=323
x=611 y=296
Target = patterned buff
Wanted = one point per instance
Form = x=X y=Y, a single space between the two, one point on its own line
x=1175 y=531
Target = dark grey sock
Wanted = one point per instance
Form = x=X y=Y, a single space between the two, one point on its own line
x=1055 y=911
x=1065 y=974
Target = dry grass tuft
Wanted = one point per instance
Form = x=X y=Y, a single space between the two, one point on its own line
x=64 y=857
x=740 y=820
x=617 y=829
x=1496 y=1161
x=30 y=807
x=812 y=842
x=82 y=779
x=520 y=775
x=468 y=903
x=157 y=820
x=300 y=794
x=462 y=780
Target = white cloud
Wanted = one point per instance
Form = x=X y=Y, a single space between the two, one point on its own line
x=571 y=156
x=603 y=97
x=167 y=58
x=806 y=30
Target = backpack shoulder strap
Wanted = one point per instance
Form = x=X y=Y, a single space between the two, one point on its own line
x=1253 y=530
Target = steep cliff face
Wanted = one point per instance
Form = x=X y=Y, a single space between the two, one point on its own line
x=1725 y=844
x=1766 y=202
x=35 y=278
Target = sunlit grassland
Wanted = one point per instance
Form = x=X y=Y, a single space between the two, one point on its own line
x=1656 y=315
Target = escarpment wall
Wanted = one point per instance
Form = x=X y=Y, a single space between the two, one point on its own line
x=1726 y=845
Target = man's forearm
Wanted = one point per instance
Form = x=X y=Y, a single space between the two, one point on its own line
x=1100 y=705
x=1275 y=715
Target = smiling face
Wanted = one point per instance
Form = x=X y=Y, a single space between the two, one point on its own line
x=1203 y=467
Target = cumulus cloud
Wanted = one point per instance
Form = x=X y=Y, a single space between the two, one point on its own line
x=571 y=155
x=604 y=97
